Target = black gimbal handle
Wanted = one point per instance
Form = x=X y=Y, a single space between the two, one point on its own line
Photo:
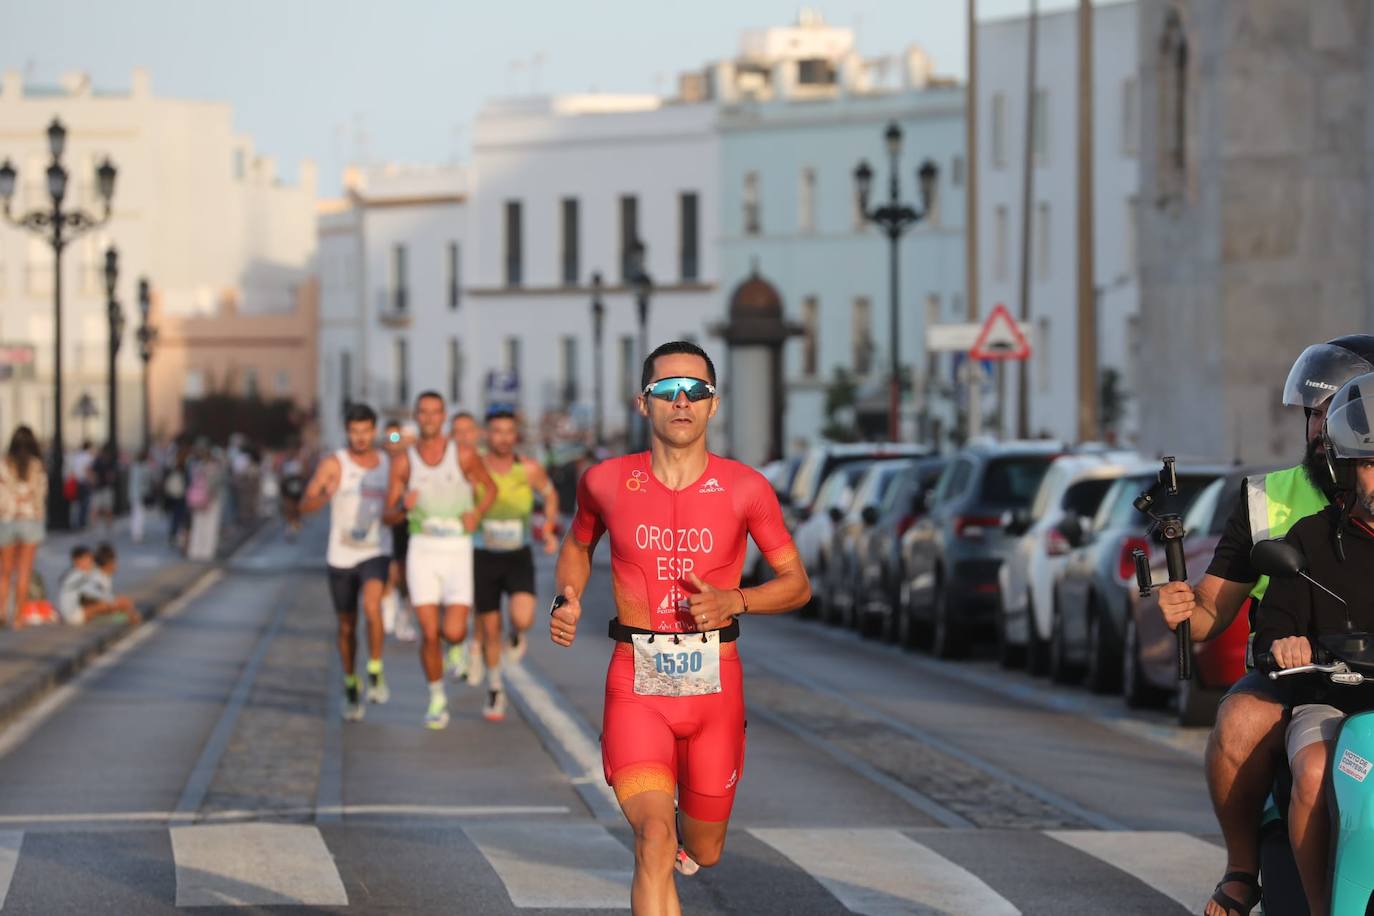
x=1178 y=572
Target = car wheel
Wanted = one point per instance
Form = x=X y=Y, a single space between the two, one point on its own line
x=947 y=638
x=1061 y=670
x=1197 y=706
x=1037 y=649
x=1138 y=692
x=1009 y=655
x=1103 y=675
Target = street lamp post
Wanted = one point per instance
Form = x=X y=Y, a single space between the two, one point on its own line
x=59 y=228
x=895 y=218
x=598 y=326
x=115 y=314
x=643 y=286
x=147 y=336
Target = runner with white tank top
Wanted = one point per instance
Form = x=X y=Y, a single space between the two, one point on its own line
x=432 y=486
x=353 y=481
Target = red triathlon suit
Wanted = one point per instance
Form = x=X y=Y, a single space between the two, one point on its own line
x=658 y=536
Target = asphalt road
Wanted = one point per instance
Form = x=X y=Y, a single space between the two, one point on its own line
x=205 y=765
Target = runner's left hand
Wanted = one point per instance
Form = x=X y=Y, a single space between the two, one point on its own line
x=711 y=607
x=550 y=541
x=470 y=520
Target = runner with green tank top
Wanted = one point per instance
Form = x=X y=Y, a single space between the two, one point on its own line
x=504 y=562
x=432 y=487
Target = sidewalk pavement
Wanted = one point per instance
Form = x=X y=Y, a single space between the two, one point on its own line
x=35 y=660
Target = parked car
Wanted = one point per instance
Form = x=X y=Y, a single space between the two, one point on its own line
x=1150 y=656
x=1073 y=487
x=950 y=557
x=821 y=459
x=879 y=556
x=1096 y=589
x=779 y=474
x=842 y=567
x=813 y=536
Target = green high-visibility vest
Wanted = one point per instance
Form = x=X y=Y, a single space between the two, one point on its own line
x=1276 y=501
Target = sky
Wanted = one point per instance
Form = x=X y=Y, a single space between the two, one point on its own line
x=367 y=81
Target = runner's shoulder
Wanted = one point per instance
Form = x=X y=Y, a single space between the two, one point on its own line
x=744 y=478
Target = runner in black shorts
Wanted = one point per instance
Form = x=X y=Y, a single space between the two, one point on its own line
x=503 y=563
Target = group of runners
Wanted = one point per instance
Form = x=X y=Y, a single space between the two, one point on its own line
x=448 y=524
x=677 y=518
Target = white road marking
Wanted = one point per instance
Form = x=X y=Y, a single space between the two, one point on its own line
x=557 y=866
x=255 y=865
x=576 y=741
x=1177 y=865
x=10 y=841
x=418 y=811
x=31 y=719
x=886 y=873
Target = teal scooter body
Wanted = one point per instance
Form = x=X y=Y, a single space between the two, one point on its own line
x=1352 y=786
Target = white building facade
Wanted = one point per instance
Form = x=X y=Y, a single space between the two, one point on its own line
x=789 y=149
x=1001 y=109
x=196 y=210
x=393 y=320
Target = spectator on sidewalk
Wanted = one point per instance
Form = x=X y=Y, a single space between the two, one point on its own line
x=141 y=494
x=174 y=484
x=104 y=477
x=23 y=515
x=204 y=497
x=86 y=591
x=80 y=466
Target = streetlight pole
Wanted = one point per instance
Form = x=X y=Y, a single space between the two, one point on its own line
x=895 y=218
x=115 y=314
x=643 y=286
x=598 y=327
x=147 y=336
x=59 y=228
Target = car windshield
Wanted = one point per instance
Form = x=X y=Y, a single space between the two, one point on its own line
x=840 y=479
x=1122 y=514
x=876 y=484
x=1083 y=498
x=1011 y=482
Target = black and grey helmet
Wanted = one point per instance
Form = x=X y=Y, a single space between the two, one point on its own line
x=1323 y=368
x=1348 y=433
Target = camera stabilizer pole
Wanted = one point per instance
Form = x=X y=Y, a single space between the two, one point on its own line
x=1168 y=529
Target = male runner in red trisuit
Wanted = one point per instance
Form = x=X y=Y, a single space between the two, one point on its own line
x=674 y=716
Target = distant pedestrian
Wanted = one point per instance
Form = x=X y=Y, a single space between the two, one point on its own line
x=142 y=496
x=204 y=498
x=104 y=477
x=174 y=484
x=23 y=516
x=79 y=466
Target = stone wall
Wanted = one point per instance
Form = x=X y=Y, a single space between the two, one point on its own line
x=1257 y=245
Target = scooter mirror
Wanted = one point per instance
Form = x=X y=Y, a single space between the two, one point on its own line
x=1277 y=559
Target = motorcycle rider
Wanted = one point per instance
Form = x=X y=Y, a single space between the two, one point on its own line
x=1338 y=546
x=1248 y=736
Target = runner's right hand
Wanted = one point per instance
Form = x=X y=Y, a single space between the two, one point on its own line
x=563 y=621
x=1176 y=603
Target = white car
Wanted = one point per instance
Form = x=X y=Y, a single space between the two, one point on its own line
x=814 y=535
x=1072 y=487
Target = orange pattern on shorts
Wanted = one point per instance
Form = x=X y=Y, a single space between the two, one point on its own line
x=638 y=778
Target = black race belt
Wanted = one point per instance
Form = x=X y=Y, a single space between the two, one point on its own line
x=621 y=633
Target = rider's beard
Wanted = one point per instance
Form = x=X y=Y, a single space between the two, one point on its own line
x=1314 y=463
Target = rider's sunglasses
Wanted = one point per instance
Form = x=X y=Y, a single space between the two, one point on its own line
x=667 y=389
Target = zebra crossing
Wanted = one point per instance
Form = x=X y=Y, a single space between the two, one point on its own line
x=517 y=865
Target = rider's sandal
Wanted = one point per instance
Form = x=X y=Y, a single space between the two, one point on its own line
x=1231 y=904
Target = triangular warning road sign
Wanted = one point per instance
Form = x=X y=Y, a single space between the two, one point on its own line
x=1000 y=338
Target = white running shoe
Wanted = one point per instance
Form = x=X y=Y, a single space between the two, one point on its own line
x=495 y=708
x=458 y=662
x=436 y=717
x=352 y=709
x=405 y=624
x=519 y=645
x=377 y=691
x=389 y=612
x=684 y=863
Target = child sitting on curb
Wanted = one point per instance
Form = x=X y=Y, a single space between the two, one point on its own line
x=86 y=590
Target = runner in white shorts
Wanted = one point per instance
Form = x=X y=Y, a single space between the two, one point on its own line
x=432 y=486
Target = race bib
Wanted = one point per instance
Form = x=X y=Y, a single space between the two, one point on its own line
x=503 y=533
x=676 y=664
x=443 y=527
